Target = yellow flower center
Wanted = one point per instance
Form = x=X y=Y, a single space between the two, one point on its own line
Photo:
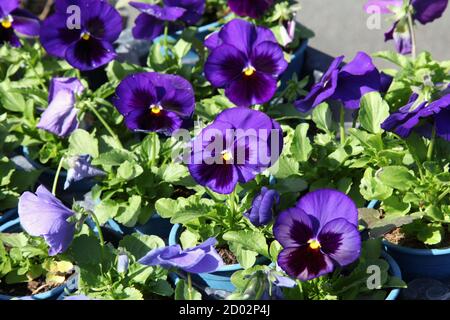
x=155 y=109
x=7 y=22
x=314 y=244
x=249 y=71
x=227 y=156
x=86 y=36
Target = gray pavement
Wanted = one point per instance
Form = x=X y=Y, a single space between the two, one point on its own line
x=340 y=28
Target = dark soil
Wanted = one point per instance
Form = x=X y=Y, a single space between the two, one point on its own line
x=182 y=192
x=26 y=289
x=227 y=256
x=396 y=236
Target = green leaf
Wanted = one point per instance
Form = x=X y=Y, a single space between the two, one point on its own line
x=140 y=244
x=397 y=177
x=374 y=110
x=82 y=143
x=113 y=158
x=182 y=48
x=430 y=235
x=246 y=258
x=322 y=117
x=183 y=292
x=250 y=240
x=165 y=207
x=11 y=100
x=105 y=210
x=174 y=172
x=128 y=215
x=14 y=240
x=86 y=250
x=129 y=170
x=301 y=147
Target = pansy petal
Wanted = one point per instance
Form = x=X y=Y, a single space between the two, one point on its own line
x=60 y=237
x=443 y=124
x=250 y=8
x=293 y=228
x=26 y=24
x=224 y=65
x=102 y=20
x=147 y=27
x=268 y=57
x=90 y=54
x=427 y=11
x=326 y=205
x=56 y=37
x=9 y=36
x=341 y=241
x=221 y=178
x=7 y=6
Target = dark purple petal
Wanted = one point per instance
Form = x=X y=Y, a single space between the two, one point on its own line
x=224 y=65
x=56 y=37
x=166 y=122
x=147 y=27
x=401 y=35
x=293 y=228
x=90 y=54
x=102 y=21
x=248 y=91
x=9 y=36
x=25 y=23
x=427 y=11
x=213 y=41
x=341 y=241
x=221 y=178
x=357 y=78
x=323 y=90
x=304 y=263
x=268 y=57
x=194 y=9
x=385 y=82
x=263 y=204
x=160 y=13
x=326 y=205
x=443 y=124
x=250 y=8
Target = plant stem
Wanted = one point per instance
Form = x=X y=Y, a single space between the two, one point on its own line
x=444 y=194
x=166 y=34
x=189 y=286
x=105 y=124
x=55 y=180
x=432 y=143
x=99 y=229
x=342 y=124
x=413 y=35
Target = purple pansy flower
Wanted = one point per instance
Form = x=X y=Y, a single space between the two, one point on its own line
x=155 y=102
x=421 y=117
x=194 y=9
x=200 y=259
x=424 y=11
x=318 y=234
x=263 y=204
x=43 y=215
x=246 y=61
x=238 y=145
x=60 y=117
x=81 y=168
x=89 y=44
x=15 y=21
x=347 y=84
x=250 y=8
x=150 y=23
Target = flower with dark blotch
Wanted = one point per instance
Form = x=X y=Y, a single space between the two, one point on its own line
x=194 y=9
x=320 y=233
x=86 y=44
x=238 y=145
x=263 y=205
x=347 y=84
x=250 y=8
x=421 y=116
x=80 y=168
x=15 y=21
x=43 y=215
x=60 y=117
x=200 y=259
x=155 y=102
x=424 y=11
x=246 y=61
x=150 y=23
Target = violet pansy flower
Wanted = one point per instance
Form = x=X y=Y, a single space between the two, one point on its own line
x=250 y=8
x=86 y=44
x=43 y=215
x=347 y=84
x=246 y=61
x=60 y=117
x=155 y=102
x=15 y=21
x=200 y=259
x=421 y=117
x=263 y=204
x=238 y=145
x=194 y=9
x=320 y=233
x=424 y=11
x=81 y=168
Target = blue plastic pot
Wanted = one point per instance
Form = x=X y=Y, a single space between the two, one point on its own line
x=218 y=280
x=296 y=64
x=419 y=263
x=7 y=216
x=394 y=270
x=13 y=226
x=156 y=226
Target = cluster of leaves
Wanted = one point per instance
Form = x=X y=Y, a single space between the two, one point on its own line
x=24 y=258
